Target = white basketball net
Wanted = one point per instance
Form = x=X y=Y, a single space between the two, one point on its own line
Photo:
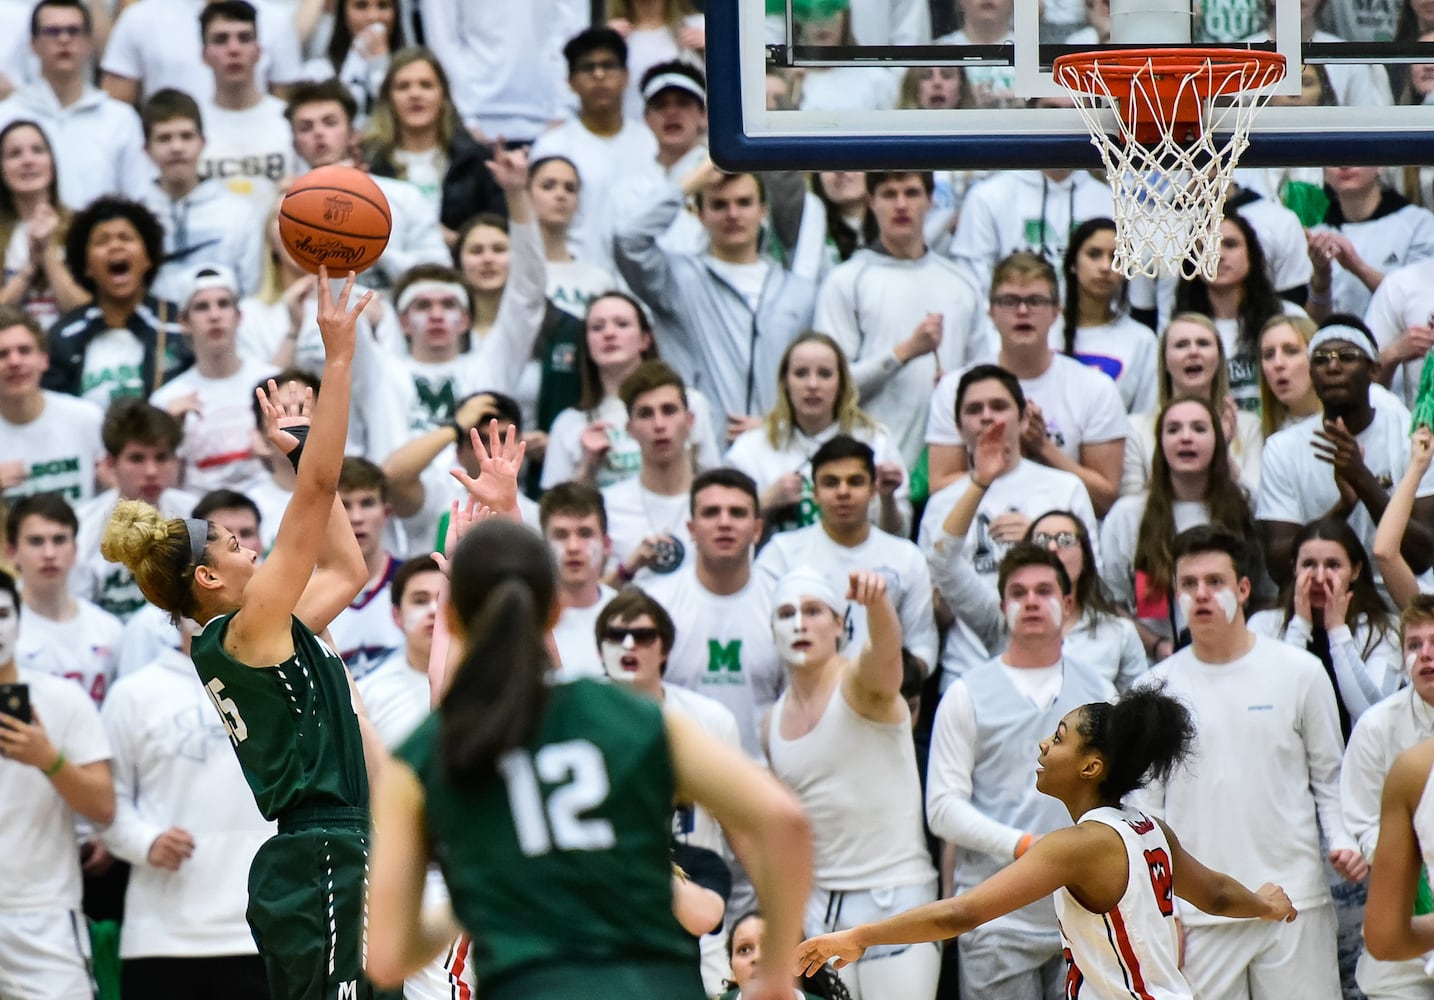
x=1169 y=196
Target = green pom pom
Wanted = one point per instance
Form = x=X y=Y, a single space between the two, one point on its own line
x=1424 y=403
x=1423 y=898
x=1308 y=201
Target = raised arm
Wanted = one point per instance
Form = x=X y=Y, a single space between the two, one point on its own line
x=875 y=685
x=259 y=632
x=520 y=312
x=1399 y=578
x=1391 y=933
x=1054 y=861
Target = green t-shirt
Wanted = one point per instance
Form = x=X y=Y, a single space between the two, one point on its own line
x=293 y=726
x=561 y=858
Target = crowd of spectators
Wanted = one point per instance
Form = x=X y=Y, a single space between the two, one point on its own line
x=723 y=380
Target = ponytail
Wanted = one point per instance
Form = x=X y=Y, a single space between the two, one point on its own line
x=1143 y=737
x=503 y=588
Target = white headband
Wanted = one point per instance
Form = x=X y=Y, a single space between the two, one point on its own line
x=445 y=288
x=673 y=81
x=1353 y=336
x=800 y=583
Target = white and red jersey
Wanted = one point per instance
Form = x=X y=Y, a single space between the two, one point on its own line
x=1132 y=951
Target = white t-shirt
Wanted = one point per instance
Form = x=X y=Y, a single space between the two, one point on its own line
x=576 y=640
x=723 y=648
x=1263 y=823
x=395 y=696
x=634 y=512
x=1118 y=537
x=572 y=284
x=1403 y=299
x=1296 y=487
x=1123 y=349
x=39 y=862
x=251 y=150
x=624 y=456
x=600 y=160
x=83 y=649
x=746 y=279
x=60 y=448
x=908 y=580
x=218 y=446
x=1081 y=406
x=112 y=367
x=157 y=43
x=424 y=170
x=1246 y=450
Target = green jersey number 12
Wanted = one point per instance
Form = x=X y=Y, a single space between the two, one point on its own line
x=576 y=775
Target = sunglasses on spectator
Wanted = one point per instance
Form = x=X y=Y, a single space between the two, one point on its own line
x=1063 y=539
x=1014 y=302
x=640 y=636
x=1348 y=356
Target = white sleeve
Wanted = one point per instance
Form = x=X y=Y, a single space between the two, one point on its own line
x=1361 y=781
x=78 y=731
x=1363 y=682
x=970 y=598
x=1105 y=416
x=809 y=254
x=1117 y=551
x=941 y=413
x=442 y=34
x=977 y=241
x=640 y=261
x=1324 y=747
x=417 y=236
x=521 y=309
x=1382 y=315
x=1135 y=470
x=836 y=316
x=772 y=562
x=134 y=170
x=949 y=811
x=124 y=51
x=130 y=835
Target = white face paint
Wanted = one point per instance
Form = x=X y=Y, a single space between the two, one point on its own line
x=786 y=632
x=1225 y=597
x=1229 y=603
x=415 y=615
x=1013 y=614
x=612 y=654
x=1410 y=659
x=9 y=630
x=1057 y=609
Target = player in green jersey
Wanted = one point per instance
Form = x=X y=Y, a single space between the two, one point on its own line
x=284 y=696
x=548 y=808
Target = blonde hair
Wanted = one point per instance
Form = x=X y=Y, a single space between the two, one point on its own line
x=157 y=551
x=779 y=422
x=1273 y=413
x=1220 y=388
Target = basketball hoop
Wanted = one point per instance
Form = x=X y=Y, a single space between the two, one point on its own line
x=1183 y=118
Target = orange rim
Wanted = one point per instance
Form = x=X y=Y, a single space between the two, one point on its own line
x=1169 y=84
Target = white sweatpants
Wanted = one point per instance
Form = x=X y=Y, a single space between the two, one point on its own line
x=1256 y=960
x=888 y=972
x=44 y=955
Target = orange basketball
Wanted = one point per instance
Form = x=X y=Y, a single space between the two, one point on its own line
x=337 y=217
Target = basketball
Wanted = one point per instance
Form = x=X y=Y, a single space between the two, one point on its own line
x=336 y=217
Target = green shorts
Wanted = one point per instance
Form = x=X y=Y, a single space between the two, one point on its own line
x=306 y=906
x=657 y=979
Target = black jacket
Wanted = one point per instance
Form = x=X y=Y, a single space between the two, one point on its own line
x=71 y=334
x=468 y=187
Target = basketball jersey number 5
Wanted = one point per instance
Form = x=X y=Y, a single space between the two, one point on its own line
x=576 y=775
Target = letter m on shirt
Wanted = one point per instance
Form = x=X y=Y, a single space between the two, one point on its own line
x=348 y=990
x=722 y=657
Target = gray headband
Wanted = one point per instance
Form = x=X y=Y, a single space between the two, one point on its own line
x=198 y=539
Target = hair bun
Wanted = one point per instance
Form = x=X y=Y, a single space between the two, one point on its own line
x=134 y=528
